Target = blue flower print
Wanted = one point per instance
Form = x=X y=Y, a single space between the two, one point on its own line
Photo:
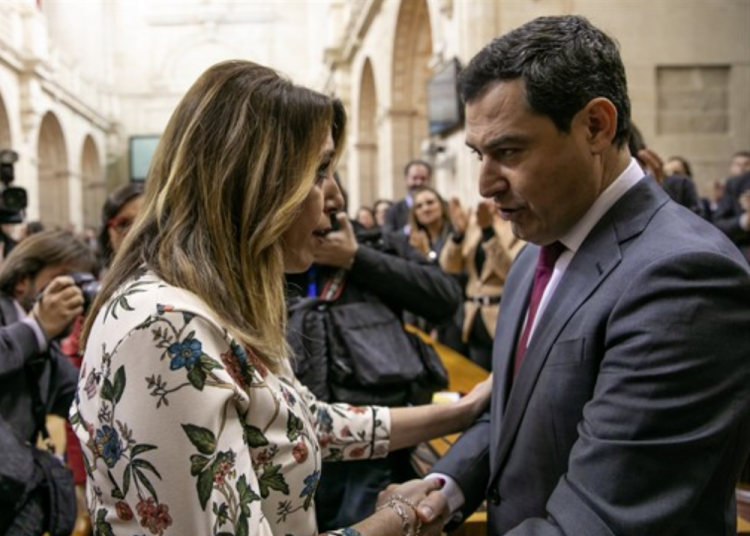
x=185 y=354
x=311 y=484
x=107 y=442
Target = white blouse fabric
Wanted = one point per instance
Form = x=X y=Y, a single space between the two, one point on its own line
x=184 y=432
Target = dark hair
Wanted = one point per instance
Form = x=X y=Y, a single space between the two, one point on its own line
x=114 y=203
x=47 y=248
x=417 y=162
x=746 y=154
x=685 y=165
x=34 y=227
x=564 y=62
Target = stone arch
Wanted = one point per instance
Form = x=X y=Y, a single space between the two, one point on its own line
x=5 y=139
x=93 y=185
x=54 y=174
x=412 y=49
x=367 y=136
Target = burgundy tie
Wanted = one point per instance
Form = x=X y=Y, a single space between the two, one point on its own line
x=545 y=265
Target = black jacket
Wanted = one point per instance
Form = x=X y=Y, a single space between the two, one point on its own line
x=386 y=279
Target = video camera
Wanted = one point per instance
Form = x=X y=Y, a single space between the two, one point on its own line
x=13 y=200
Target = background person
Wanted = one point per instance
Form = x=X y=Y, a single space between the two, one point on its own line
x=417 y=173
x=38 y=303
x=377 y=280
x=621 y=401
x=483 y=247
x=118 y=214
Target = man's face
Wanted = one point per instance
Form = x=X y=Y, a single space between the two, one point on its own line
x=540 y=179
x=740 y=164
x=417 y=176
x=29 y=288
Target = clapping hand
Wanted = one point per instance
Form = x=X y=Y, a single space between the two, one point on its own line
x=458 y=216
x=420 y=241
x=485 y=214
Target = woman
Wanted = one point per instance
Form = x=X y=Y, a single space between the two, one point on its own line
x=483 y=247
x=429 y=222
x=190 y=417
x=380 y=207
x=118 y=214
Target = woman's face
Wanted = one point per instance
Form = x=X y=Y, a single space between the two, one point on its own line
x=119 y=226
x=427 y=208
x=380 y=210
x=310 y=226
x=365 y=218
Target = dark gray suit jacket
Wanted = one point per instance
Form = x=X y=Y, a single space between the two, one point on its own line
x=630 y=415
x=727 y=215
x=18 y=350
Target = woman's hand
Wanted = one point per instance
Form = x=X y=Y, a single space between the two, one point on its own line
x=420 y=241
x=408 y=496
x=458 y=216
x=477 y=400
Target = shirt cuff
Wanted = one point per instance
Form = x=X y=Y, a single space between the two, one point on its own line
x=452 y=493
x=41 y=338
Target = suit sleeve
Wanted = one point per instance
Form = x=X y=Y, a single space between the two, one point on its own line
x=672 y=395
x=389 y=226
x=17 y=345
x=423 y=289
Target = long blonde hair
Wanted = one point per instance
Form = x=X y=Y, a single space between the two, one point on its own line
x=231 y=171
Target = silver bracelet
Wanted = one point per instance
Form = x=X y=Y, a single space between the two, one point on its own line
x=406 y=524
x=393 y=504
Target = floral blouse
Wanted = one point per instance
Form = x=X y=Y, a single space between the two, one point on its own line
x=184 y=432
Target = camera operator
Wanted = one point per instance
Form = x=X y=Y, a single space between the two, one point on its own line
x=38 y=302
x=13 y=201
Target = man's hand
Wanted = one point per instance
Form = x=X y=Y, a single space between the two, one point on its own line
x=338 y=247
x=653 y=163
x=433 y=510
x=458 y=216
x=60 y=303
x=485 y=214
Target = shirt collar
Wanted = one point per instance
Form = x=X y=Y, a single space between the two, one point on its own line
x=624 y=182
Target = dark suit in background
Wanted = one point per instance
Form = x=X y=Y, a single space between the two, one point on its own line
x=397 y=217
x=20 y=363
x=729 y=211
x=682 y=191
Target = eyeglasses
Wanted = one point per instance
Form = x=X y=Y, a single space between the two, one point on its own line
x=120 y=225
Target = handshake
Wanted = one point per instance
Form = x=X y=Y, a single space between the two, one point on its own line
x=418 y=505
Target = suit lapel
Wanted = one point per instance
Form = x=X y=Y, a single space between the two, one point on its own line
x=597 y=257
x=515 y=302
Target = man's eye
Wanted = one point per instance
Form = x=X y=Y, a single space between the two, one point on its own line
x=477 y=154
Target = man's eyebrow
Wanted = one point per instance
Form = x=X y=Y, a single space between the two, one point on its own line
x=499 y=142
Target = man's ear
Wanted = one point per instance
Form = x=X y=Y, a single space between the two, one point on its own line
x=600 y=120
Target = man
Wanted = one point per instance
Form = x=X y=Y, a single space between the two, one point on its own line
x=417 y=173
x=740 y=163
x=38 y=302
x=732 y=214
x=626 y=412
